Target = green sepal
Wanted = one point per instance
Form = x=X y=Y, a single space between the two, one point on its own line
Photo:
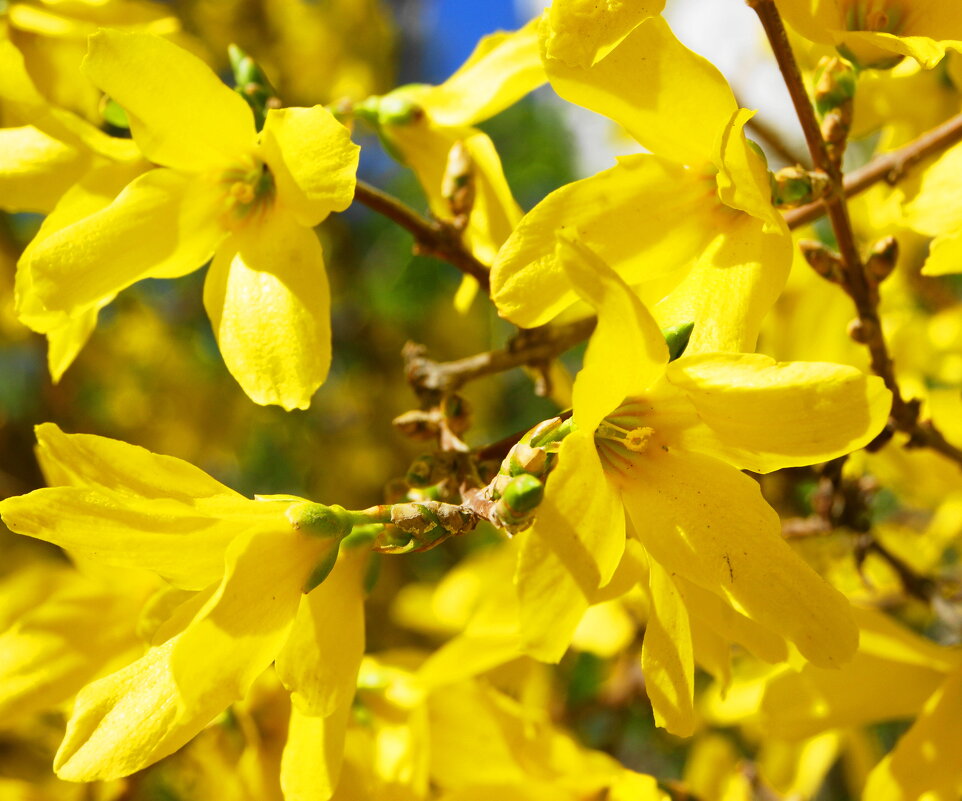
x=322 y=570
x=114 y=114
x=319 y=520
x=251 y=83
x=677 y=338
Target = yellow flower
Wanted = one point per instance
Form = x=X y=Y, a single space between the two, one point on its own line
x=664 y=444
x=248 y=200
x=241 y=567
x=52 y=35
x=878 y=33
x=687 y=224
x=422 y=124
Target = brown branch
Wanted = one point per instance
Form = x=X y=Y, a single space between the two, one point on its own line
x=431 y=237
x=854 y=279
x=529 y=347
x=889 y=167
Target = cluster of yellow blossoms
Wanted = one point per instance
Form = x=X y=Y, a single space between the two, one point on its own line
x=202 y=644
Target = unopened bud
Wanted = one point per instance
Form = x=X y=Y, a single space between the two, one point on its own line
x=523 y=494
x=525 y=459
x=881 y=262
x=835 y=81
x=796 y=186
x=862 y=331
x=822 y=260
x=457 y=413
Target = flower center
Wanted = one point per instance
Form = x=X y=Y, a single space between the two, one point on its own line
x=625 y=436
x=248 y=191
x=884 y=16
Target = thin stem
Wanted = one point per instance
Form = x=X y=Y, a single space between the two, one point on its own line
x=529 y=347
x=889 y=167
x=431 y=237
x=905 y=414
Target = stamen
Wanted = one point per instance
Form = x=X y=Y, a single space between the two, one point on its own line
x=635 y=440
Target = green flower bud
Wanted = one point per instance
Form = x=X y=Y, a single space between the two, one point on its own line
x=319 y=520
x=523 y=494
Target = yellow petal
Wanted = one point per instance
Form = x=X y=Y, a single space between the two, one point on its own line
x=320 y=660
x=720 y=617
x=84 y=460
x=66 y=341
x=706 y=521
x=313 y=161
x=50 y=651
x=180 y=113
x=945 y=254
x=162 y=223
x=646 y=217
x=580 y=33
x=425 y=147
x=742 y=179
x=666 y=656
x=673 y=101
x=142 y=713
x=745 y=264
x=36 y=169
x=269 y=304
x=503 y=68
x=890 y=677
x=626 y=353
x=762 y=415
x=313 y=753
x=869 y=47
x=927 y=760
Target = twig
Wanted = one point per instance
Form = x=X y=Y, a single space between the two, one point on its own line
x=531 y=346
x=431 y=237
x=854 y=279
x=889 y=167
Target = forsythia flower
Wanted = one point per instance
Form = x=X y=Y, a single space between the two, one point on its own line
x=878 y=33
x=426 y=125
x=664 y=444
x=248 y=200
x=686 y=224
x=241 y=567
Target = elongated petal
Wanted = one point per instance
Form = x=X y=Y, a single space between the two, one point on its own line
x=162 y=223
x=627 y=352
x=745 y=264
x=580 y=33
x=503 y=68
x=85 y=460
x=64 y=342
x=52 y=650
x=723 y=619
x=312 y=159
x=269 y=305
x=870 y=47
x=646 y=217
x=320 y=660
x=243 y=626
x=177 y=540
x=140 y=714
x=670 y=99
x=666 y=656
x=762 y=415
x=36 y=169
x=313 y=753
x=927 y=760
x=743 y=181
x=494 y=213
x=706 y=521
x=180 y=113
x=573 y=548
